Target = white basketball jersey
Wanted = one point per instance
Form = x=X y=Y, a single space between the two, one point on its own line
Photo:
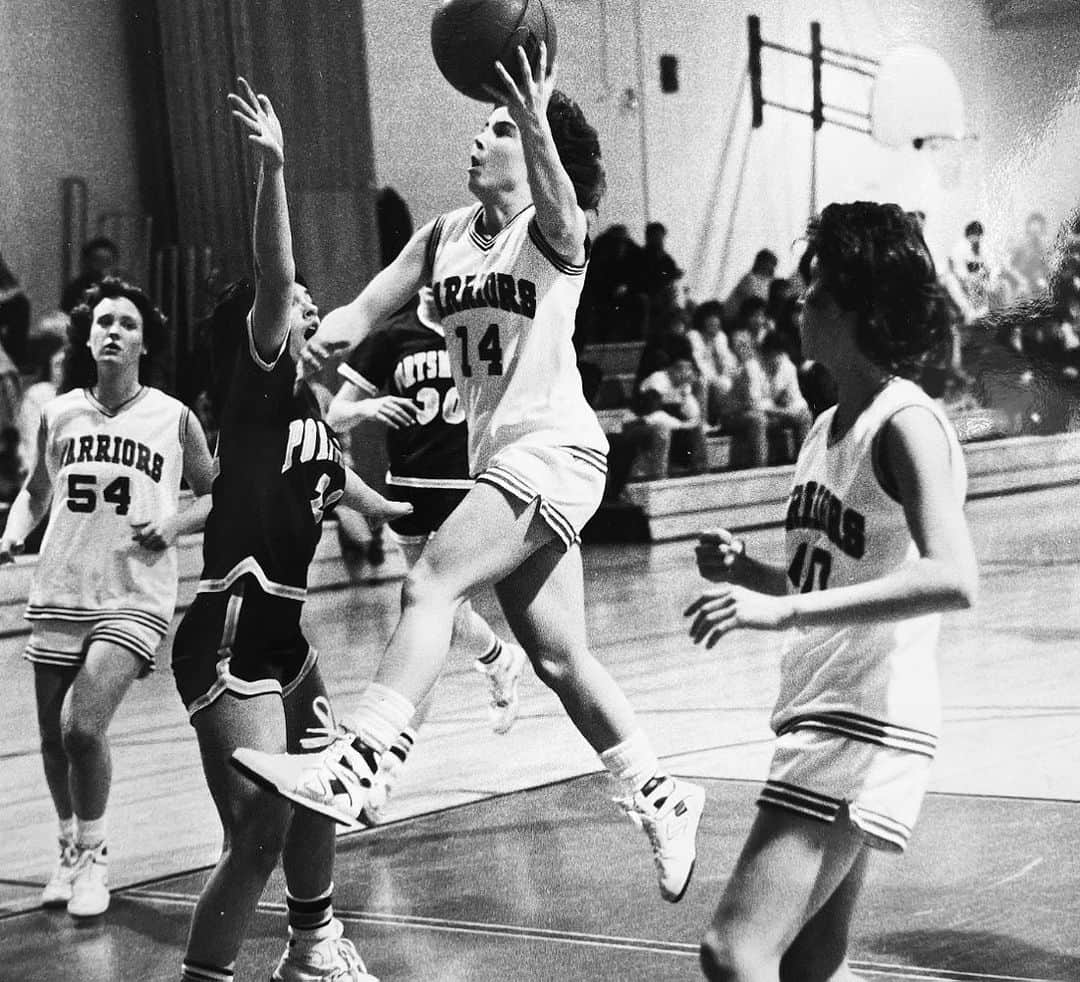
x=507 y=304
x=109 y=470
x=875 y=682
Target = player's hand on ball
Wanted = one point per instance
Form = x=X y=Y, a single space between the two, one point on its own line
x=155 y=536
x=728 y=607
x=527 y=103
x=719 y=555
x=9 y=549
x=257 y=114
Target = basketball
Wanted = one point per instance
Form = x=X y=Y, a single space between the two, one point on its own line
x=469 y=36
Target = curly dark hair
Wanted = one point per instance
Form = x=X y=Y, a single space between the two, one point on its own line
x=874 y=262
x=80 y=369
x=578 y=145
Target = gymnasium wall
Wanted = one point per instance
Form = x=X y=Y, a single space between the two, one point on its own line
x=1020 y=85
x=66 y=108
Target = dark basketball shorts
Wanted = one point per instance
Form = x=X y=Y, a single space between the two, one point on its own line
x=431 y=507
x=243 y=641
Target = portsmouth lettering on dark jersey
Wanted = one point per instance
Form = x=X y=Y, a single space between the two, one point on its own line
x=421 y=366
x=814 y=506
x=309 y=440
x=486 y=290
x=101 y=448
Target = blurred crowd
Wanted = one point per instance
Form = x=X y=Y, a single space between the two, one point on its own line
x=725 y=370
x=732 y=367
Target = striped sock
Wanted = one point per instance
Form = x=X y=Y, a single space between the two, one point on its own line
x=91 y=833
x=380 y=716
x=403 y=744
x=200 y=972
x=492 y=654
x=308 y=917
x=633 y=762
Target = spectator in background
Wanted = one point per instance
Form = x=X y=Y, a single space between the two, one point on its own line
x=756 y=283
x=662 y=273
x=14 y=315
x=1029 y=261
x=785 y=407
x=967 y=276
x=10 y=391
x=742 y=414
x=656 y=354
x=99 y=259
x=716 y=362
x=11 y=472
x=666 y=404
x=614 y=302
x=49 y=374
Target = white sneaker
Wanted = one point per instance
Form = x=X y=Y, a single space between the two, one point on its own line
x=57 y=891
x=334 y=782
x=90 y=883
x=382 y=784
x=503 y=677
x=669 y=813
x=329 y=959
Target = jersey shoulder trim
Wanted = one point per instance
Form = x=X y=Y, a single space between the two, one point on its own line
x=266 y=366
x=548 y=252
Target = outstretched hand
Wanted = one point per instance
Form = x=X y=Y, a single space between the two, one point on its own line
x=727 y=608
x=526 y=103
x=257 y=114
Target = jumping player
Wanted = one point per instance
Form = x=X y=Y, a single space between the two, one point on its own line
x=506 y=275
x=427 y=446
x=877 y=547
x=242 y=665
x=110 y=455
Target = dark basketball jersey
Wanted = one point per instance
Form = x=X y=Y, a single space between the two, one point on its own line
x=279 y=468
x=406 y=356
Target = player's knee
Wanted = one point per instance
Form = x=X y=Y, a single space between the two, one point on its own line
x=724 y=960
x=423 y=587
x=256 y=833
x=555 y=667
x=81 y=737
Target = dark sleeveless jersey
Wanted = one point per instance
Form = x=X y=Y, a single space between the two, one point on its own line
x=406 y=357
x=279 y=468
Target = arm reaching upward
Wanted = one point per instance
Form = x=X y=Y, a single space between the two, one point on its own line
x=275 y=268
x=558 y=214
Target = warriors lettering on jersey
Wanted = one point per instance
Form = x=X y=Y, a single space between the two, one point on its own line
x=100 y=448
x=310 y=439
x=814 y=506
x=487 y=290
x=421 y=366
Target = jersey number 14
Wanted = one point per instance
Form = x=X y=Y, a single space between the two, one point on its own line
x=489 y=349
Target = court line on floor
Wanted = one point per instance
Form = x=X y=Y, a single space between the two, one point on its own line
x=910 y=973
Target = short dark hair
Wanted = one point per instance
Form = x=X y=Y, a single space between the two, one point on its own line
x=873 y=261
x=704 y=310
x=655 y=228
x=578 y=146
x=764 y=258
x=747 y=309
x=80 y=369
x=100 y=242
x=773 y=343
x=973 y=228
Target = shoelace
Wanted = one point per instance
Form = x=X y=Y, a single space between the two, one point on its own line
x=329 y=733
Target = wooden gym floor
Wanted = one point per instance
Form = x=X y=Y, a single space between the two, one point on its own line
x=504 y=857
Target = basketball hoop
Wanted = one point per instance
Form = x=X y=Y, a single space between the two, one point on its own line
x=916 y=100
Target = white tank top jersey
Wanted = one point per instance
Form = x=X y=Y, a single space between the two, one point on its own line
x=873 y=682
x=507 y=304
x=108 y=470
